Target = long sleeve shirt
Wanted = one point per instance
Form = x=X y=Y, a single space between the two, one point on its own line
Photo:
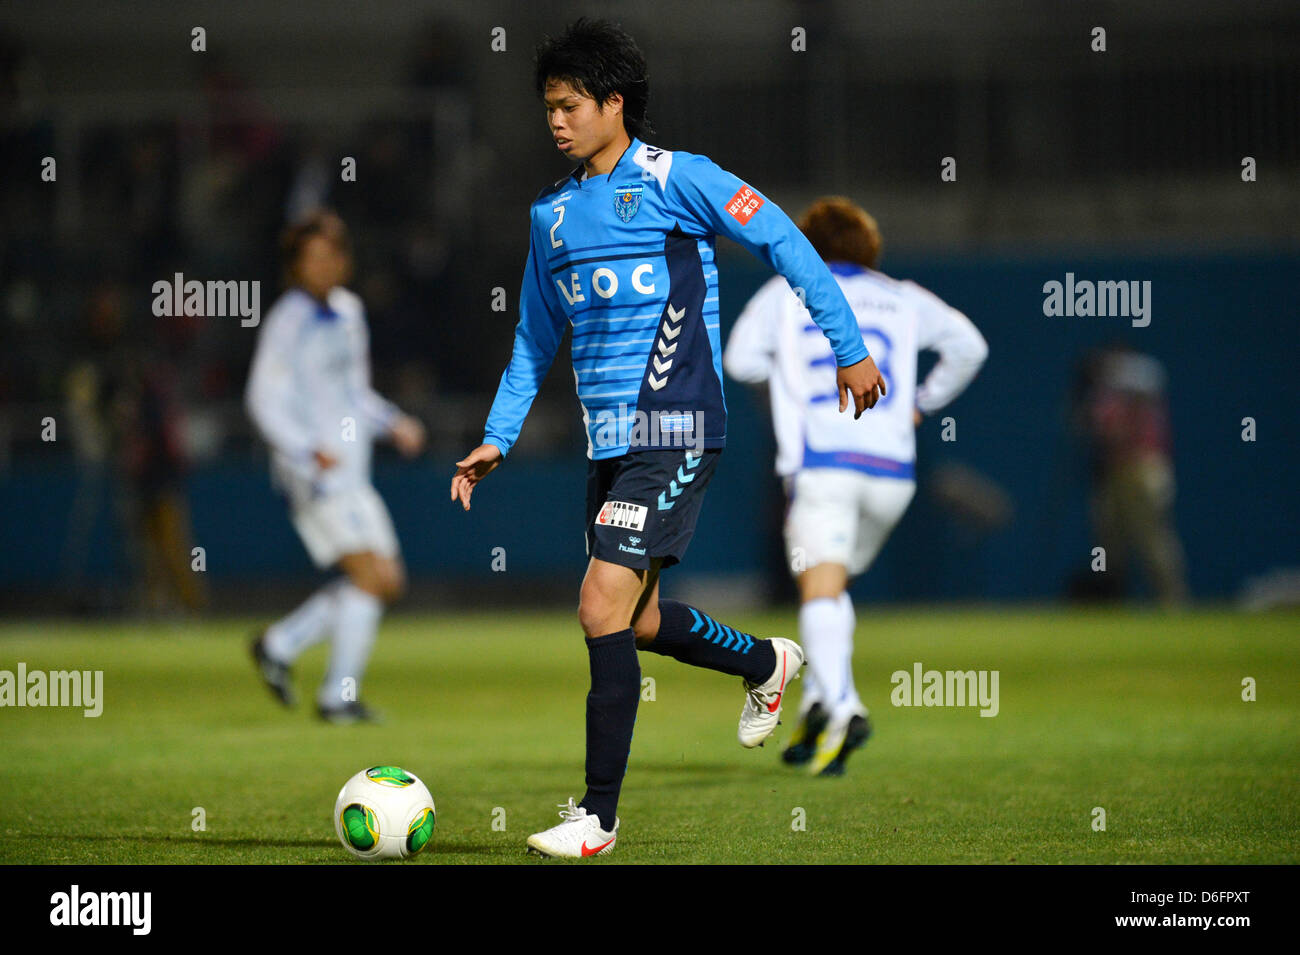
x=627 y=261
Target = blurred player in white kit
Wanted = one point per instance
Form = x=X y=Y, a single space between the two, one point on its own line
x=309 y=395
x=847 y=482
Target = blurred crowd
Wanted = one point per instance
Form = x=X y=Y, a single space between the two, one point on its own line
x=205 y=190
x=126 y=203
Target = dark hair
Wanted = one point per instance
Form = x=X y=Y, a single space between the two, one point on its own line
x=324 y=222
x=598 y=58
x=841 y=231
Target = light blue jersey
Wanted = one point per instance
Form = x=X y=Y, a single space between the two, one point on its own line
x=627 y=259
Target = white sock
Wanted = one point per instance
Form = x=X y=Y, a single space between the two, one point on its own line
x=850 y=703
x=826 y=630
x=354 y=635
x=306 y=626
x=818 y=623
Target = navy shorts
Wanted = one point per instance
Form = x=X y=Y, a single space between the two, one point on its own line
x=644 y=505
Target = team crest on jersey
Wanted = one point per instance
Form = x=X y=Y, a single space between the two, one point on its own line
x=627 y=200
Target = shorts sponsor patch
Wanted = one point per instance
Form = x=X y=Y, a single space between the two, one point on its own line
x=744 y=204
x=622 y=514
x=676 y=422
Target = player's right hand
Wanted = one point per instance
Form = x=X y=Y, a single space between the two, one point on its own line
x=324 y=460
x=477 y=465
x=408 y=435
x=863 y=382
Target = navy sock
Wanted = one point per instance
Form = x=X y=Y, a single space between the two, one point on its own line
x=611 y=714
x=694 y=637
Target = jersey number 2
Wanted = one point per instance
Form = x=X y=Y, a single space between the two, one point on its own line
x=556 y=243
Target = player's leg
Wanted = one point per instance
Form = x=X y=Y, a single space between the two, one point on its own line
x=373 y=581
x=276 y=649
x=824 y=638
x=645 y=618
x=612 y=594
x=767 y=666
x=826 y=623
x=825 y=632
x=811 y=717
x=609 y=598
x=820 y=533
x=672 y=628
x=667 y=488
x=641 y=513
x=352 y=529
x=690 y=635
x=878 y=505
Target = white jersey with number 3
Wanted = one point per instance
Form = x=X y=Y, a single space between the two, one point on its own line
x=776 y=340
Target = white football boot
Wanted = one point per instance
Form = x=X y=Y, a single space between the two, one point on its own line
x=577 y=837
x=762 y=709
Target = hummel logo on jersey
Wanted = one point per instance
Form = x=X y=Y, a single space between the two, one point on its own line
x=622 y=514
x=663 y=361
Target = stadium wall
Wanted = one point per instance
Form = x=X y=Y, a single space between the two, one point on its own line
x=1221 y=323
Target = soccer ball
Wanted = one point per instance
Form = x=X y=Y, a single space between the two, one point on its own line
x=384 y=813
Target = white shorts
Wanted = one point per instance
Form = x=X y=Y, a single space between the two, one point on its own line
x=345 y=522
x=839 y=516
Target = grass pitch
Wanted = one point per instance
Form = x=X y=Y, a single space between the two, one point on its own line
x=1139 y=714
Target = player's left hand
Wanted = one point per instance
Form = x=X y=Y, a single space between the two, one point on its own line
x=476 y=465
x=408 y=435
x=862 y=380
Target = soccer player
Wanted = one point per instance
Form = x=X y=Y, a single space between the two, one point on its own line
x=309 y=395
x=622 y=250
x=847 y=486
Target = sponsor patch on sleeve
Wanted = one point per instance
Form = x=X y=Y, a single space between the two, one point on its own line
x=744 y=204
x=622 y=514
